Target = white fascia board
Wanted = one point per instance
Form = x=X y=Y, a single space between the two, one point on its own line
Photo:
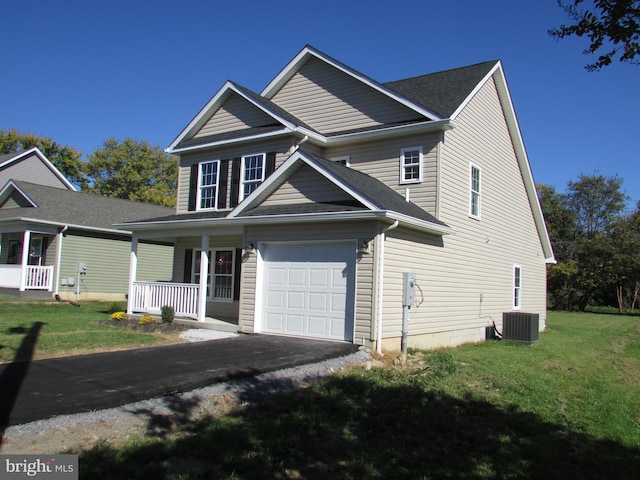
x=44 y=160
x=284 y=131
x=446 y=124
x=523 y=163
x=36 y=221
x=189 y=227
x=270 y=90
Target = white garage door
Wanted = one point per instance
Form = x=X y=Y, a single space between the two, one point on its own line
x=309 y=289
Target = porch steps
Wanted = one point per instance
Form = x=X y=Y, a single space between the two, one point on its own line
x=209 y=324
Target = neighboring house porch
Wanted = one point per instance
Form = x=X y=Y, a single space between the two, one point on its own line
x=23 y=268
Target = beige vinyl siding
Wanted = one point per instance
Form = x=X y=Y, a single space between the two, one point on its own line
x=357 y=231
x=306 y=185
x=381 y=159
x=107 y=262
x=236 y=113
x=30 y=169
x=479 y=259
x=283 y=147
x=329 y=100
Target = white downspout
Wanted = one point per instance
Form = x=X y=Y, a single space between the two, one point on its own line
x=380 y=252
x=59 y=258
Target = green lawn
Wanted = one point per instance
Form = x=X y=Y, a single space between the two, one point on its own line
x=566 y=407
x=42 y=329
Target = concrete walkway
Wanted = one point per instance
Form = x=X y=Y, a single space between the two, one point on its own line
x=42 y=389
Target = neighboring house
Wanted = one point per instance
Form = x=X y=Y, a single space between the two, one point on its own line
x=61 y=241
x=31 y=165
x=300 y=208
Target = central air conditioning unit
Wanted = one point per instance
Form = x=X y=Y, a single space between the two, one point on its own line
x=520 y=326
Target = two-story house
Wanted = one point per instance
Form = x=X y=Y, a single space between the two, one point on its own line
x=301 y=207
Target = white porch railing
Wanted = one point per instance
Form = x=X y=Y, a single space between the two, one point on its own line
x=35 y=278
x=150 y=297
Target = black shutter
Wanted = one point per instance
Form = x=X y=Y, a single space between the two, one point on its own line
x=235 y=182
x=236 y=274
x=270 y=165
x=188 y=265
x=222 y=184
x=193 y=188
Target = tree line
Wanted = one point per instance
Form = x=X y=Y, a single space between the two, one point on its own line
x=596 y=241
x=128 y=169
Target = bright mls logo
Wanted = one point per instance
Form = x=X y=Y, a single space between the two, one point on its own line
x=50 y=467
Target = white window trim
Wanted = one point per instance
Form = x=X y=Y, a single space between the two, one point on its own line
x=242 y=173
x=472 y=191
x=344 y=158
x=211 y=274
x=420 y=166
x=200 y=186
x=517 y=289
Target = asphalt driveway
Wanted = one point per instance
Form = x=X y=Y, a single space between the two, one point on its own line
x=45 y=388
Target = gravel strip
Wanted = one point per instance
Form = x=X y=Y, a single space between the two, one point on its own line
x=115 y=425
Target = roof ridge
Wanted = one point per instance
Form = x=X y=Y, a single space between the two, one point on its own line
x=446 y=70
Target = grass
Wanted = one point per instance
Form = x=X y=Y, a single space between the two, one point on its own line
x=59 y=329
x=566 y=407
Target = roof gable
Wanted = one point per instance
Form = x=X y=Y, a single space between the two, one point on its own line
x=13 y=166
x=359 y=191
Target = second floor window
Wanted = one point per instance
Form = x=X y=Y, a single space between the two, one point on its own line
x=253 y=170
x=474 y=194
x=208 y=184
x=411 y=165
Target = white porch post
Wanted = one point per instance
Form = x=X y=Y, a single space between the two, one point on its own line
x=204 y=274
x=58 y=260
x=133 y=270
x=26 y=240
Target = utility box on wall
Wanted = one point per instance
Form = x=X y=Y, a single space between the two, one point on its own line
x=520 y=326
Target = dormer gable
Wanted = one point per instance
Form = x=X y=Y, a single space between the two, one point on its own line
x=11 y=196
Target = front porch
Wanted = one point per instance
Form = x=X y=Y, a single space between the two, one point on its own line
x=29 y=277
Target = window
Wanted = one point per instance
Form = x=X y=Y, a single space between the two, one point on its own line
x=411 y=165
x=220 y=274
x=517 y=287
x=345 y=160
x=474 y=194
x=253 y=171
x=208 y=184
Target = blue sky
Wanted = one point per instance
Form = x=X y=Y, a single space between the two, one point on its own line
x=84 y=71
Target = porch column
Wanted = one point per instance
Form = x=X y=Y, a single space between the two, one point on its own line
x=26 y=241
x=133 y=270
x=204 y=274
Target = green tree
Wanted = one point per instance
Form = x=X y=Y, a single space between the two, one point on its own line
x=625 y=240
x=581 y=224
x=133 y=170
x=613 y=25
x=64 y=158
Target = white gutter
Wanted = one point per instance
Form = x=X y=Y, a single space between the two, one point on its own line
x=380 y=260
x=412 y=222
x=64 y=225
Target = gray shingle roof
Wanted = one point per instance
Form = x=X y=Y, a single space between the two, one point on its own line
x=442 y=92
x=68 y=207
x=385 y=197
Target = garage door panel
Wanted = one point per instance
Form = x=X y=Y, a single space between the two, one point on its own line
x=318 y=326
x=296 y=300
x=307 y=287
x=295 y=324
x=319 y=301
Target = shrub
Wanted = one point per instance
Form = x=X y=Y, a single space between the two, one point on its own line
x=121 y=316
x=117 y=307
x=167 y=312
x=147 y=320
